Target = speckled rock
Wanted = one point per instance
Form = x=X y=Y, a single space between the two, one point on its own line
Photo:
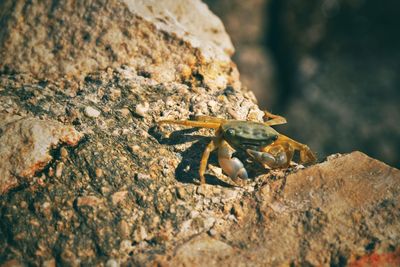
x=167 y=40
x=128 y=192
x=25 y=146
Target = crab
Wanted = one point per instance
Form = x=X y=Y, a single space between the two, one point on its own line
x=258 y=140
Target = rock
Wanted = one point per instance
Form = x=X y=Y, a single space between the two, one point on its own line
x=90 y=201
x=202 y=251
x=326 y=214
x=142 y=109
x=25 y=147
x=155 y=39
x=91 y=112
x=117 y=197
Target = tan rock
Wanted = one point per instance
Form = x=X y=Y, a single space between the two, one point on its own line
x=202 y=251
x=25 y=144
x=91 y=201
x=151 y=36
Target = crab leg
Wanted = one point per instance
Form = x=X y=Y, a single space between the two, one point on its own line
x=306 y=155
x=205 y=118
x=214 y=144
x=203 y=124
x=233 y=167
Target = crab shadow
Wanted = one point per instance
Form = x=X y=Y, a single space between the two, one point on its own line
x=188 y=168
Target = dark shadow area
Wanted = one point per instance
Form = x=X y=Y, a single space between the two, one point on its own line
x=188 y=168
x=282 y=56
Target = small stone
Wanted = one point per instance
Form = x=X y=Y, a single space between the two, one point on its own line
x=185 y=71
x=50 y=263
x=112 y=263
x=99 y=173
x=142 y=109
x=265 y=193
x=89 y=201
x=124 y=229
x=23 y=204
x=212 y=232
x=118 y=197
x=213 y=105
x=91 y=112
x=237 y=211
x=194 y=214
x=140 y=234
x=134 y=148
x=12 y=263
x=59 y=169
x=142 y=176
x=124 y=112
x=181 y=193
x=215 y=200
x=64 y=154
x=115 y=94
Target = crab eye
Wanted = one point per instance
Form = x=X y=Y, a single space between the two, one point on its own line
x=230 y=132
x=274 y=138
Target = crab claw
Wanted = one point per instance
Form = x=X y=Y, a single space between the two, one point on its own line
x=272 y=161
x=233 y=167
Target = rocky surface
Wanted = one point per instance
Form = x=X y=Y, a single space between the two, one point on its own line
x=72 y=39
x=124 y=191
x=25 y=146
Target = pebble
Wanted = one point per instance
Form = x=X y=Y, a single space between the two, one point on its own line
x=64 y=154
x=88 y=201
x=115 y=94
x=124 y=229
x=91 y=112
x=50 y=263
x=112 y=263
x=99 y=172
x=181 y=193
x=212 y=232
x=142 y=109
x=124 y=112
x=59 y=169
x=194 y=214
x=142 y=176
x=237 y=211
x=215 y=200
x=118 y=197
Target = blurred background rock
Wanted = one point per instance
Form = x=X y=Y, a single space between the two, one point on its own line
x=330 y=67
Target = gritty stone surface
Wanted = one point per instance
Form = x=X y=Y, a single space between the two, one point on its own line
x=202 y=251
x=25 y=147
x=166 y=40
x=190 y=20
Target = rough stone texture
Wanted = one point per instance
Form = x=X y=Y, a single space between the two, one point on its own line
x=328 y=214
x=52 y=39
x=25 y=146
x=127 y=193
